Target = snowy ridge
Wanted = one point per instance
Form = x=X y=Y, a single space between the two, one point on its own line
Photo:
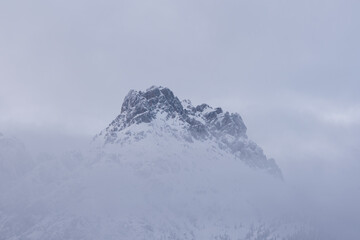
x=158 y=111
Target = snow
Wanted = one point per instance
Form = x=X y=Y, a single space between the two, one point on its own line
x=158 y=187
x=155 y=180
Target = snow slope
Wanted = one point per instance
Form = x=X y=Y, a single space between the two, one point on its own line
x=163 y=169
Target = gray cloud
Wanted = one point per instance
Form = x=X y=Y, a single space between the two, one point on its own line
x=290 y=68
x=67 y=67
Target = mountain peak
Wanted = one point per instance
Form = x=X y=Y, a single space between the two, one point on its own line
x=157 y=111
x=141 y=106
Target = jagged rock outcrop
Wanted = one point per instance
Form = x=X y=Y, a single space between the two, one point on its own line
x=187 y=122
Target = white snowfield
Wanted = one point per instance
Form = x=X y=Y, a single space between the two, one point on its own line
x=149 y=179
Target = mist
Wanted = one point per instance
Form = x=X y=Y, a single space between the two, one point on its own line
x=162 y=183
x=290 y=69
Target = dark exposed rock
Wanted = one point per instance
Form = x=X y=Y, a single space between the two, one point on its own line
x=201 y=107
x=197 y=129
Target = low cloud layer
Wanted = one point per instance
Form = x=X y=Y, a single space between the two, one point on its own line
x=290 y=69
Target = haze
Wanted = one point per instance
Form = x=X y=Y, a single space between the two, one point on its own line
x=289 y=68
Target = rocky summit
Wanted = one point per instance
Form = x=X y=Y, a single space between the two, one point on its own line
x=185 y=122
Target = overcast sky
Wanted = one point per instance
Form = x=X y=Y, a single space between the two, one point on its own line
x=290 y=68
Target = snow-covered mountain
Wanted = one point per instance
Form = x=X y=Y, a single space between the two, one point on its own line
x=163 y=169
x=158 y=114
